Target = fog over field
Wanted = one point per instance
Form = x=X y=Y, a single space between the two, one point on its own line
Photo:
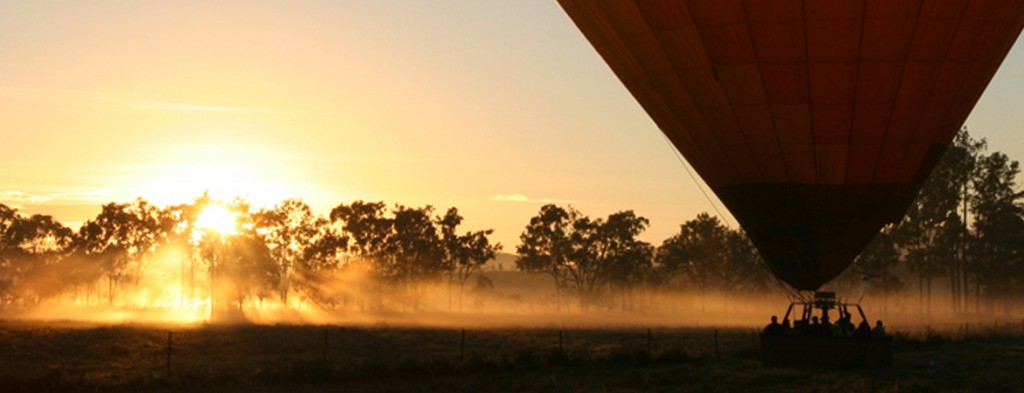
x=492 y=299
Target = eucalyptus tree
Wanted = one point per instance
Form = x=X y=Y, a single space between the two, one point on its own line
x=367 y=225
x=585 y=255
x=962 y=157
x=626 y=262
x=877 y=262
x=698 y=254
x=120 y=239
x=401 y=248
x=463 y=255
x=746 y=272
x=930 y=234
x=31 y=252
x=998 y=249
x=546 y=245
x=288 y=229
x=246 y=268
x=415 y=247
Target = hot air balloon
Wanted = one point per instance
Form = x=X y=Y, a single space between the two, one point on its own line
x=815 y=122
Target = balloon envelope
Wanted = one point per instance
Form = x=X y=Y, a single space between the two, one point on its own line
x=815 y=122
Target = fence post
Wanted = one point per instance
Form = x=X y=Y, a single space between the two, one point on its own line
x=718 y=354
x=561 y=351
x=648 y=341
x=462 y=346
x=325 y=345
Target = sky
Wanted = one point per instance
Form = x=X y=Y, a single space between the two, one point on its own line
x=493 y=107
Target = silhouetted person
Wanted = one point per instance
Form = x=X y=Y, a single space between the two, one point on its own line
x=774 y=328
x=800 y=328
x=825 y=328
x=848 y=327
x=863 y=330
x=813 y=327
x=839 y=329
x=786 y=327
x=879 y=330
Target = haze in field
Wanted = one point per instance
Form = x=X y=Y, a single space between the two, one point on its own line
x=493 y=107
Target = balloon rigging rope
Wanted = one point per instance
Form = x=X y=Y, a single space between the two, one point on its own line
x=686 y=166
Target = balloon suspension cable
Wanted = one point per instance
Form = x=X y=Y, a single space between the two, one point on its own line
x=686 y=166
x=791 y=293
x=866 y=279
x=800 y=296
x=862 y=293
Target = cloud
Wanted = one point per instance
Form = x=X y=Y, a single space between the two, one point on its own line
x=19 y=199
x=77 y=97
x=176 y=106
x=520 y=198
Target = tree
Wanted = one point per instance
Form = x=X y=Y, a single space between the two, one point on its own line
x=325 y=256
x=745 y=270
x=626 y=262
x=463 y=254
x=246 y=268
x=30 y=250
x=402 y=250
x=877 y=261
x=362 y=235
x=287 y=230
x=239 y=262
x=698 y=253
x=999 y=227
x=475 y=250
x=962 y=157
x=545 y=244
x=929 y=234
x=181 y=232
x=415 y=247
x=11 y=253
x=365 y=224
x=581 y=253
x=120 y=238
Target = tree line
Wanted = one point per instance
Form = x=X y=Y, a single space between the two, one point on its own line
x=273 y=253
x=287 y=254
x=965 y=226
x=599 y=260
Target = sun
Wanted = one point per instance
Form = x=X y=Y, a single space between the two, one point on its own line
x=219 y=219
x=226 y=169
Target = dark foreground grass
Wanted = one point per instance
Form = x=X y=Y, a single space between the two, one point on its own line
x=77 y=358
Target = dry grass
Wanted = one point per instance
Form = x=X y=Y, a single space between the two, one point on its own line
x=75 y=357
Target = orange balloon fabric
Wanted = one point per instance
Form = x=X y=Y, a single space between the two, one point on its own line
x=814 y=121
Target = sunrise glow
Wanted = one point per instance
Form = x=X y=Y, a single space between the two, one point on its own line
x=478 y=196
x=218 y=219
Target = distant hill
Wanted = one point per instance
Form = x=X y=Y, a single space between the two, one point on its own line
x=503 y=261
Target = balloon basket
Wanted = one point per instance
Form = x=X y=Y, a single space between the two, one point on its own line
x=814 y=342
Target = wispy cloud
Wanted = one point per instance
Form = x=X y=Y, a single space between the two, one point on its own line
x=176 y=106
x=78 y=97
x=520 y=198
x=20 y=199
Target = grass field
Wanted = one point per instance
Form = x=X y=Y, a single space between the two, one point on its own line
x=66 y=356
